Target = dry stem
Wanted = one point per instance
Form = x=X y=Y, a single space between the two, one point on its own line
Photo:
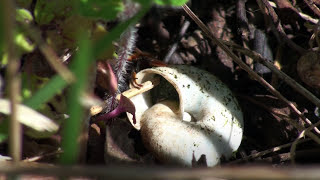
x=265 y=152
x=301 y=135
x=291 y=82
x=134 y=172
x=276 y=25
x=15 y=136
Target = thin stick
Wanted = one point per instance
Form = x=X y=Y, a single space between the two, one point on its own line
x=313 y=7
x=294 y=144
x=291 y=82
x=15 y=136
x=294 y=123
x=277 y=27
x=51 y=56
x=153 y=172
x=265 y=152
x=146 y=86
x=174 y=47
x=301 y=14
x=253 y=74
x=303 y=91
x=37 y=158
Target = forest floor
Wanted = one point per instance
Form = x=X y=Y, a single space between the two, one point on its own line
x=284 y=32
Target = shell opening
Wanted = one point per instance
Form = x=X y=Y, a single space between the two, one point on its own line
x=164 y=91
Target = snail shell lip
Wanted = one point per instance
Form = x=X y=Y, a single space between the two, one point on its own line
x=205 y=121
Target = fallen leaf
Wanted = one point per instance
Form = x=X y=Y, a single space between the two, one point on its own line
x=29 y=117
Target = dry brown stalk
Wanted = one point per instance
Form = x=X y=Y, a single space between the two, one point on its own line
x=154 y=172
x=294 y=84
x=15 y=136
x=268 y=151
x=295 y=143
x=313 y=7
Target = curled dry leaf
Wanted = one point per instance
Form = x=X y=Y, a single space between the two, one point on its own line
x=29 y=117
x=308 y=68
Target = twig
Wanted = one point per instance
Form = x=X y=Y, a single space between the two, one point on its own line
x=301 y=14
x=288 y=119
x=257 y=57
x=146 y=86
x=313 y=7
x=174 y=47
x=308 y=18
x=294 y=144
x=253 y=74
x=265 y=152
x=277 y=27
x=303 y=91
x=15 y=136
x=51 y=56
x=37 y=158
x=140 y=173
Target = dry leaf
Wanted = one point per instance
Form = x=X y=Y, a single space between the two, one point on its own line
x=29 y=117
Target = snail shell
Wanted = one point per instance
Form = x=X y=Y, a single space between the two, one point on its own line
x=196 y=116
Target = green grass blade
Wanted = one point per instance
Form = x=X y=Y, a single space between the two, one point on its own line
x=55 y=85
x=73 y=125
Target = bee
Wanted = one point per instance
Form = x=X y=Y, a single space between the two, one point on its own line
x=143 y=60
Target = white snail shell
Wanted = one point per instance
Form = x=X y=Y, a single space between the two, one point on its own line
x=203 y=121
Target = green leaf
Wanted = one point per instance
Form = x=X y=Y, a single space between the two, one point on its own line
x=23 y=15
x=73 y=125
x=46 y=10
x=54 y=86
x=22 y=42
x=101 y=9
x=171 y=2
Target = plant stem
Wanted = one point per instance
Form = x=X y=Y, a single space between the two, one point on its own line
x=13 y=80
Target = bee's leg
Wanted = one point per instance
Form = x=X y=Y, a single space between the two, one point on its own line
x=134 y=81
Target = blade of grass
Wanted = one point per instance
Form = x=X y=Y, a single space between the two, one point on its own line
x=73 y=125
x=55 y=85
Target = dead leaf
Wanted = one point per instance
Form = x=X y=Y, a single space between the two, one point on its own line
x=29 y=117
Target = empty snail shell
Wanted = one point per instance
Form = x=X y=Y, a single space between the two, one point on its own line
x=190 y=115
